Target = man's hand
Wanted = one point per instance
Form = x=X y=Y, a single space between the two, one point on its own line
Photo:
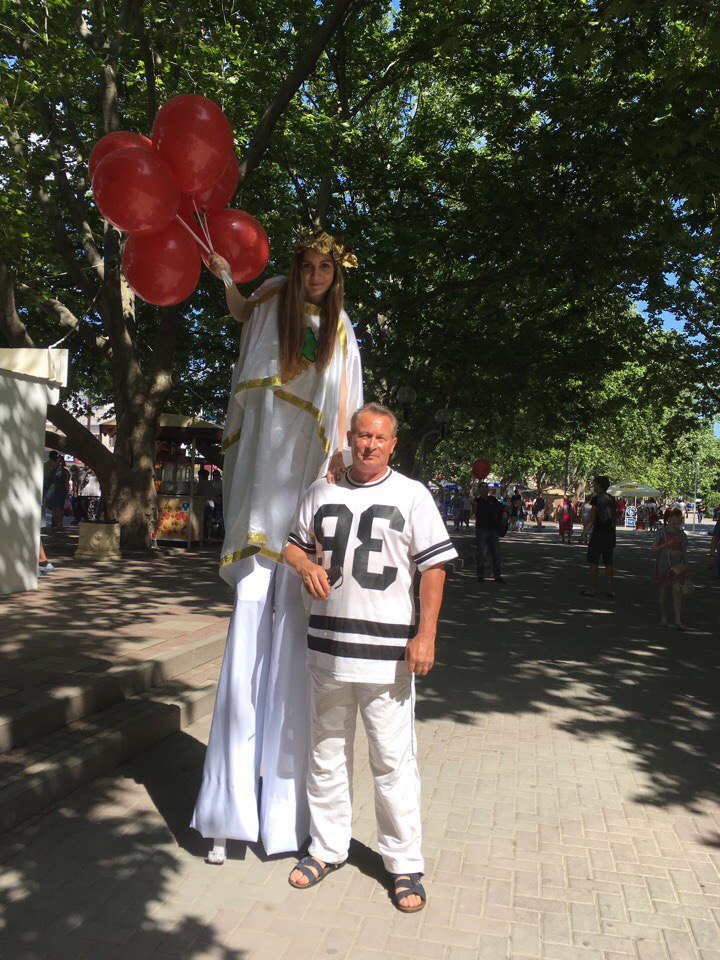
x=315 y=581
x=336 y=468
x=420 y=654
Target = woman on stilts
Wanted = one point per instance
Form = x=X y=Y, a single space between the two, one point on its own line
x=295 y=386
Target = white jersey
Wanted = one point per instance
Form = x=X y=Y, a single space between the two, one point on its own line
x=378 y=533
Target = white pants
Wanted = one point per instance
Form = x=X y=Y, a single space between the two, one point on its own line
x=261 y=717
x=388 y=713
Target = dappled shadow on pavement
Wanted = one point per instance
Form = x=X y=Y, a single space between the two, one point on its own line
x=94 y=879
x=600 y=668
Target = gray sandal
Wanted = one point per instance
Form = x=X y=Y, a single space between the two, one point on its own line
x=407 y=884
x=304 y=867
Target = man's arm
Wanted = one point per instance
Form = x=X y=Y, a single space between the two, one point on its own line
x=314 y=577
x=420 y=651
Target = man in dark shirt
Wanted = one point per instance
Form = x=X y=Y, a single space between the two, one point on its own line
x=487 y=512
x=602 y=519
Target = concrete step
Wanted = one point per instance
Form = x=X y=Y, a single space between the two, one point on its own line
x=42 y=772
x=85 y=692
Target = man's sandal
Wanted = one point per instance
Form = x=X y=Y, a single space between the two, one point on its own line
x=304 y=867
x=407 y=884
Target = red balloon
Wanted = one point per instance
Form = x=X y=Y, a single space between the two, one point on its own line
x=115 y=141
x=241 y=240
x=135 y=190
x=480 y=469
x=195 y=137
x=162 y=268
x=223 y=191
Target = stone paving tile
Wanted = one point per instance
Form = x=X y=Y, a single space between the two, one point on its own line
x=562 y=819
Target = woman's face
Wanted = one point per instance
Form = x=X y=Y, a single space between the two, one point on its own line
x=318 y=273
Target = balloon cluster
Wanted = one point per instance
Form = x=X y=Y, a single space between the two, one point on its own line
x=162 y=191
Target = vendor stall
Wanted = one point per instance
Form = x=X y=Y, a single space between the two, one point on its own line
x=183 y=507
x=29 y=380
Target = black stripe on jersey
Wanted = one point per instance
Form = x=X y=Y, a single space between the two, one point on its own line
x=436 y=553
x=295 y=539
x=368 y=628
x=431 y=551
x=355 y=651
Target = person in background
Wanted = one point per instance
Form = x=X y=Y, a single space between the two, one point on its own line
x=515 y=502
x=621 y=508
x=521 y=514
x=75 y=478
x=204 y=488
x=713 y=561
x=456 y=507
x=58 y=490
x=584 y=512
x=652 y=515
x=217 y=517
x=566 y=519
x=672 y=569
x=44 y=565
x=538 y=510
x=89 y=494
x=466 y=509
x=488 y=513
x=602 y=519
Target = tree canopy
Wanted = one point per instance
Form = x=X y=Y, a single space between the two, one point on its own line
x=513 y=175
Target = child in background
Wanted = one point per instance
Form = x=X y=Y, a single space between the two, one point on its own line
x=672 y=570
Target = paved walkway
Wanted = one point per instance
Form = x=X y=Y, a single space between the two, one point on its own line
x=571 y=777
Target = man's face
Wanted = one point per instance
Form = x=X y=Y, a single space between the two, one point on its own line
x=372 y=442
x=483 y=490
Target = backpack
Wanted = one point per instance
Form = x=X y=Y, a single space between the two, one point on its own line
x=606 y=510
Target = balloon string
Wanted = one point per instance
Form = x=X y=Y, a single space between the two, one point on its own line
x=203 y=225
x=192 y=233
x=226 y=278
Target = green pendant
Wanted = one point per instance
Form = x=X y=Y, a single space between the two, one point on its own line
x=310 y=351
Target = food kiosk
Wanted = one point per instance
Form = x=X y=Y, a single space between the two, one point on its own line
x=182 y=507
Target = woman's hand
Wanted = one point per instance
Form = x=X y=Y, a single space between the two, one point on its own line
x=217 y=264
x=336 y=468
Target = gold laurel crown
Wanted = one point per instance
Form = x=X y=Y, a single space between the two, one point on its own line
x=313 y=238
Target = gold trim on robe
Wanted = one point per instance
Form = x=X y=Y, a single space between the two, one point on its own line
x=251 y=551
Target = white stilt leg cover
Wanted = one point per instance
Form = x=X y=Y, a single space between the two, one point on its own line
x=260 y=722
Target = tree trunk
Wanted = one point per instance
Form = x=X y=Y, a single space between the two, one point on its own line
x=132 y=502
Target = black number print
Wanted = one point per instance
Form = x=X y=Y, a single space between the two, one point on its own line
x=337 y=543
x=370 y=544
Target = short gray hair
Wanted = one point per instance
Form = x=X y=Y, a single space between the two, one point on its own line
x=379 y=410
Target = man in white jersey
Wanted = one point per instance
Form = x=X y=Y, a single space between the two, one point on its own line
x=357 y=544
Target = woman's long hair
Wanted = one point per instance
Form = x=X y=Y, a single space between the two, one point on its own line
x=291 y=317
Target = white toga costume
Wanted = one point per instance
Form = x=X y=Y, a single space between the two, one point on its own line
x=278 y=439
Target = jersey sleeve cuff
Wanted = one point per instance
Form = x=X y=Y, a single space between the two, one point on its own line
x=440 y=552
x=297 y=541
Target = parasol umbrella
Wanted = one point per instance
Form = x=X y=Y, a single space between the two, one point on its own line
x=631 y=489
